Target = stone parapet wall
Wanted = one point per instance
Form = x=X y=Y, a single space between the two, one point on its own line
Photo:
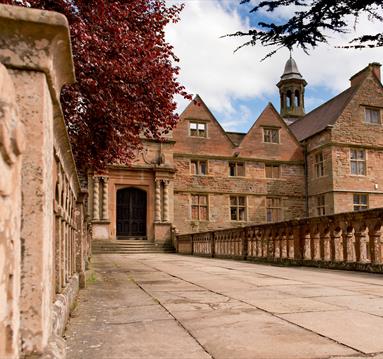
x=351 y=240
x=11 y=148
x=44 y=243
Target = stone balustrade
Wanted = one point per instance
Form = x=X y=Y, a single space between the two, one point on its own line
x=44 y=243
x=347 y=240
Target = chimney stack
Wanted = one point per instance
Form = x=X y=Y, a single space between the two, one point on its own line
x=374 y=67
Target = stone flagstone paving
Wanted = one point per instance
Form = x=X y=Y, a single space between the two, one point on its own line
x=171 y=306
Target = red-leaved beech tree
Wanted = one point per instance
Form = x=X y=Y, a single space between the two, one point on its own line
x=126 y=77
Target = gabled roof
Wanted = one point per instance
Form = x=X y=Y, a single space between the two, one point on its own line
x=318 y=119
x=236 y=137
x=271 y=109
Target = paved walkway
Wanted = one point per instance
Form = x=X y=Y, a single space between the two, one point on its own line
x=170 y=306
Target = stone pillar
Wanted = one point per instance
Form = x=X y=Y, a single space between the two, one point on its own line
x=96 y=195
x=166 y=201
x=157 y=213
x=105 y=198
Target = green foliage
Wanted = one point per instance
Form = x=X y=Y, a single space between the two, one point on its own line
x=311 y=23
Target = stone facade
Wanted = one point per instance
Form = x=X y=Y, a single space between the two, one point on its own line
x=350 y=134
x=218 y=151
x=43 y=231
x=287 y=166
x=152 y=173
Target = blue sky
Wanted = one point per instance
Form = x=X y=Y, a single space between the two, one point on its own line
x=237 y=86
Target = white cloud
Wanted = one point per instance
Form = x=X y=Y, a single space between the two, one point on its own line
x=234 y=121
x=210 y=68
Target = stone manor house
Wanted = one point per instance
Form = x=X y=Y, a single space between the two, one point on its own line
x=289 y=165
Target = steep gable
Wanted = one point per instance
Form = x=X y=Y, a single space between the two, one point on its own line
x=351 y=125
x=253 y=144
x=215 y=141
x=365 y=87
x=318 y=119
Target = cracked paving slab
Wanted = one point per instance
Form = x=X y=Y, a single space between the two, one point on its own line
x=167 y=306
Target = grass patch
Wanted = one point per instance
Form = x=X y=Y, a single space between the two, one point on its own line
x=91 y=279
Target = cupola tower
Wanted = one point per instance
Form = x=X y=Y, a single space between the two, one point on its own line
x=292 y=90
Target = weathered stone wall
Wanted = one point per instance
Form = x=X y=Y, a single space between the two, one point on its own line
x=11 y=147
x=350 y=131
x=219 y=186
x=43 y=238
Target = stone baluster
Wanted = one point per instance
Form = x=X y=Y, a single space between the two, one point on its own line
x=157 y=210
x=316 y=246
x=325 y=238
x=349 y=245
x=270 y=245
x=375 y=244
x=105 y=198
x=284 y=245
x=291 y=246
x=361 y=237
x=259 y=244
x=337 y=245
x=277 y=246
x=307 y=246
x=96 y=195
x=166 y=201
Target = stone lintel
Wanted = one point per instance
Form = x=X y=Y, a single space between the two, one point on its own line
x=38 y=40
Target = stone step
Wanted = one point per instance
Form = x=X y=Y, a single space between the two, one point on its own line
x=129 y=246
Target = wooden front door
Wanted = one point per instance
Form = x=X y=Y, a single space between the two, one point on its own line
x=131 y=212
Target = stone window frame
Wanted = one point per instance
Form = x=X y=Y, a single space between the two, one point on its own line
x=359 y=162
x=373 y=109
x=265 y=136
x=273 y=166
x=358 y=204
x=239 y=206
x=319 y=164
x=199 y=132
x=199 y=206
x=320 y=204
x=236 y=163
x=274 y=208
x=197 y=163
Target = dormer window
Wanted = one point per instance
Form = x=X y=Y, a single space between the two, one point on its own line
x=198 y=129
x=271 y=135
x=372 y=115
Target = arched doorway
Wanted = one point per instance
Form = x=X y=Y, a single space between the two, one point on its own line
x=131 y=212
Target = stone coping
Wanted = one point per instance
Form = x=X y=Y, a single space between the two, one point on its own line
x=39 y=40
